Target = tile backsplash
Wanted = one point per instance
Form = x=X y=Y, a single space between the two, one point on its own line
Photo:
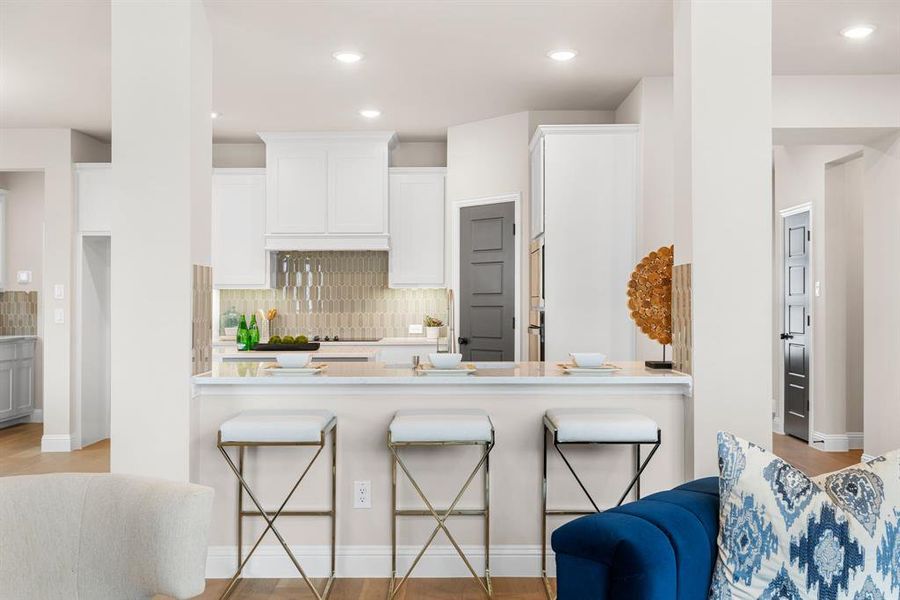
x=201 y=319
x=338 y=293
x=18 y=313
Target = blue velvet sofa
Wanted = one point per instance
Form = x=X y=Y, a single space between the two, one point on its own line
x=662 y=547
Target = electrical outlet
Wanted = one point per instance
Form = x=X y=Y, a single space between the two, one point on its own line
x=415 y=329
x=362 y=494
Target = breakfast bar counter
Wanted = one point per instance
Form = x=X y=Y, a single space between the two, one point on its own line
x=364 y=397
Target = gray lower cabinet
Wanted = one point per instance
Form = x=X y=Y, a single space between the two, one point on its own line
x=16 y=379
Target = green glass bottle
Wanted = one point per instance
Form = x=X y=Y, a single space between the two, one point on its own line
x=253 y=333
x=243 y=335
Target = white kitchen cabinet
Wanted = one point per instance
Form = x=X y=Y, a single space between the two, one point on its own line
x=537 y=187
x=298 y=184
x=94 y=193
x=590 y=179
x=16 y=379
x=327 y=191
x=239 y=256
x=417 y=217
x=357 y=188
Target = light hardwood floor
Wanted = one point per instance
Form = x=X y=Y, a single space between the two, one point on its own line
x=20 y=454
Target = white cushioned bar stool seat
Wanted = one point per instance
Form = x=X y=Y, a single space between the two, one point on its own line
x=276 y=426
x=602 y=425
x=441 y=425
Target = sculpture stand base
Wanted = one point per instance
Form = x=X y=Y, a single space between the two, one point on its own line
x=658 y=364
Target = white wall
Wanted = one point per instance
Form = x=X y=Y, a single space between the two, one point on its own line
x=244 y=155
x=24 y=227
x=650 y=104
x=419 y=154
x=835 y=101
x=881 y=248
x=844 y=275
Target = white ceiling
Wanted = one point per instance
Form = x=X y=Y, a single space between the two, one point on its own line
x=429 y=64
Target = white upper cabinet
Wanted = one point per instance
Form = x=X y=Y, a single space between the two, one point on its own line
x=357 y=189
x=94 y=191
x=239 y=256
x=417 y=227
x=327 y=191
x=298 y=180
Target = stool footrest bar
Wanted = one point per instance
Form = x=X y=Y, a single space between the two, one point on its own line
x=475 y=512
x=290 y=513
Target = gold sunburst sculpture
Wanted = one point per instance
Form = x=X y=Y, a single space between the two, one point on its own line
x=650 y=294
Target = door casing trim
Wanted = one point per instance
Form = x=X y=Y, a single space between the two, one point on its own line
x=805 y=207
x=455 y=207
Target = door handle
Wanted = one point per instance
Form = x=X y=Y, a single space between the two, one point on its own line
x=787 y=336
x=462 y=341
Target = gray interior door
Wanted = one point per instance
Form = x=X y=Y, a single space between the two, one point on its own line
x=487 y=263
x=796 y=325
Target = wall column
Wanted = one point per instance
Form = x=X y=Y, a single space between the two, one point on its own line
x=162 y=165
x=723 y=216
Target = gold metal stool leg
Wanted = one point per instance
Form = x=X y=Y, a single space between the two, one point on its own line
x=270 y=519
x=635 y=483
x=440 y=518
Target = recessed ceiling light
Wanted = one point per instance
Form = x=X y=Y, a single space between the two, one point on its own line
x=346 y=56
x=562 y=55
x=214 y=115
x=370 y=113
x=858 y=32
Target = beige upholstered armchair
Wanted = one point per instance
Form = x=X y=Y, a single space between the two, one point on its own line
x=101 y=537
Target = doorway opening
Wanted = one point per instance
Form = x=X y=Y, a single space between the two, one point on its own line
x=93 y=336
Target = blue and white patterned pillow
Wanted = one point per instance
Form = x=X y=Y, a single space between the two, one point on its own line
x=785 y=536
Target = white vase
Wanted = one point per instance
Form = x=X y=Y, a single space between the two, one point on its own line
x=433 y=333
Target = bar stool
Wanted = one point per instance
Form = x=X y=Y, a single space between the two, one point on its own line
x=594 y=426
x=258 y=428
x=449 y=427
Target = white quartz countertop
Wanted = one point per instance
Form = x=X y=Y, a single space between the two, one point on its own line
x=374 y=373
x=15 y=338
x=269 y=355
x=388 y=341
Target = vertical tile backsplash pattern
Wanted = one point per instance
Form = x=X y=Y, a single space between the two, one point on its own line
x=201 y=320
x=338 y=293
x=18 y=313
x=682 y=326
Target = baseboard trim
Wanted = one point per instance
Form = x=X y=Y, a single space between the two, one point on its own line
x=778 y=425
x=270 y=561
x=56 y=442
x=837 y=442
x=868 y=457
x=37 y=416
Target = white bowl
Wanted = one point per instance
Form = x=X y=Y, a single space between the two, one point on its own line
x=294 y=360
x=588 y=360
x=441 y=360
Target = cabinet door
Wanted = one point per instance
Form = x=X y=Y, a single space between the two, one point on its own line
x=238 y=231
x=357 y=189
x=537 y=189
x=23 y=387
x=95 y=198
x=7 y=406
x=417 y=230
x=297 y=181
